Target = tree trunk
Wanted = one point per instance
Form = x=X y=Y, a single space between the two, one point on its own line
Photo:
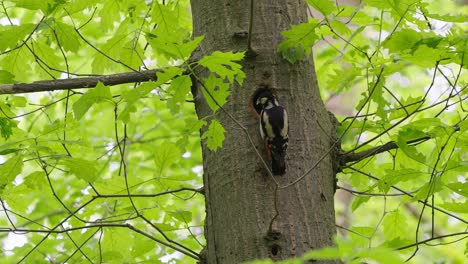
x=240 y=195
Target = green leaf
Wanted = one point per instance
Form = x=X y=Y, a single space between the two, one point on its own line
x=179 y=89
x=18 y=62
x=183 y=216
x=323 y=253
x=115 y=245
x=6 y=77
x=214 y=135
x=397 y=243
x=171 y=39
x=393 y=177
x=361 y=235
x=165 y=155
x=99 y=94
x=341 y=28
x=142 y=246
x=67 y=37
x=378 y=97
x=6 y=126
x=466 y=249
x=133 y=95
x=260 y=261
x=456 y=207
x=342 y=79
x=7 y=150
x=323 y=6
x=18 y=197
x=395 y=225
x=81 y=168
x=129 y=54
x=398 y=7
x=299 y=40
x=381 y=255
x=448 y=17
x=426 y=56
x=429 y=189
x=216 y=92
x=364 y=230
x=36 y=180
x=358 y=201
x=10 y=169
x=411 y=104
x=410 y=133
x=32 y=4
x=459 y=187
x=187 y=48
x=18 y=101
x=12 y=36
x=115 y=184
x=42 y=49
x=108 y=14
x=167 y=74
x=402 y=41
x=224 y=64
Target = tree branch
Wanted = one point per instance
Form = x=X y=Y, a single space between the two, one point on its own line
x=353 y=156
x=347 y=157
x=434 y=238
x=358 y=156
x=85 y=82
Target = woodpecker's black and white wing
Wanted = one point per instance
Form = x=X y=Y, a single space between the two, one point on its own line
x=274 y=129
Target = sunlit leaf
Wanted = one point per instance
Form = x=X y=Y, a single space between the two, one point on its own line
x=178 y=91
x=36 y=180
x=99 y=94
x=358 y=201
x=6 y=77
x=393 y=177
x=299 y=40
x=429 y=189
x=165 y=155
x=459 y=187
x=10 y=169
x=214 y=135
x=323 y=253
x=81 y=168
x=456 y=207
x=340 y=27
x=216 y=92
x=167 y=74
x=67 y=36
x=395 y=225
x=6 y=126
x=12 y=36
x=402 y=41
x=183 y=216
x=225 y=65
x=323 y=6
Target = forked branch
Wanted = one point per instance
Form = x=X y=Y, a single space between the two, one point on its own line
x=358 y=156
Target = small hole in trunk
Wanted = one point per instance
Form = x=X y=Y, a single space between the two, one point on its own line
x=275 y=249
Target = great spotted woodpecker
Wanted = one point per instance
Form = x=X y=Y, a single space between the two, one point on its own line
x=273 y=128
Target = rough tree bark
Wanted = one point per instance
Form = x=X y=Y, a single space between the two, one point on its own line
x=240 y=195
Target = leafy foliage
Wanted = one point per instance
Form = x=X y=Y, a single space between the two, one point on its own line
x=406 y=69
x=113 y=174
x=110 y=173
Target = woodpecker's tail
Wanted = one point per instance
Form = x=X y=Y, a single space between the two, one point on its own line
x=278 y=166
x=278 y=153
